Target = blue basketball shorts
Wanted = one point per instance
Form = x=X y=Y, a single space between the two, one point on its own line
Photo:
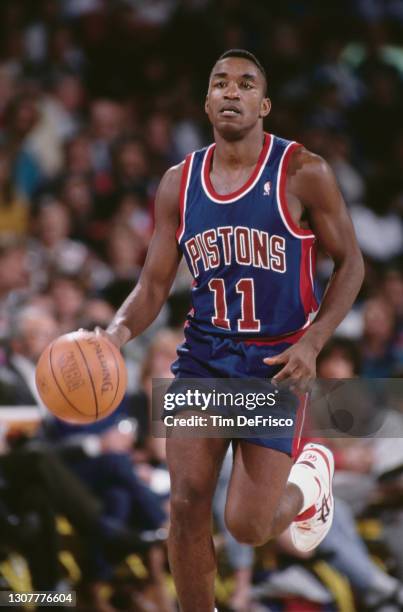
x=207 y=356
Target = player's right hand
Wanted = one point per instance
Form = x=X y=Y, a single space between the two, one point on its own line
x=299 y=366
x=114 y=338
x=103 y=332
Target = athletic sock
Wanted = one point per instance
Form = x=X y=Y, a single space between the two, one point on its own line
x=304 y=478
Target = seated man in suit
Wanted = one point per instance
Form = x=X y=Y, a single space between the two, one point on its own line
x=32 y=330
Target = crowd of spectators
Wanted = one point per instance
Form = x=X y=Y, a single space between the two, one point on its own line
x=97 y=100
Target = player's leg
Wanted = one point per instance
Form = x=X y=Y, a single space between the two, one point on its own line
x=267 y=492
x=258 y=492
x=194 y=465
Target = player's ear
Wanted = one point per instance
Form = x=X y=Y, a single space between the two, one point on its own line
x=206 y=107
x=265 y=107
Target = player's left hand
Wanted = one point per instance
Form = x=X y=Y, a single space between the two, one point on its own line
x=299 y=366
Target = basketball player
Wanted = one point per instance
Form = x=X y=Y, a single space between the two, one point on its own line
x=247 y=213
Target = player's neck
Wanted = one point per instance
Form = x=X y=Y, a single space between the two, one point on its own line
x=244 y=152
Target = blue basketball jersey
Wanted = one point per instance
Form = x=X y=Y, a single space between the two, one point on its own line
x=253 y=267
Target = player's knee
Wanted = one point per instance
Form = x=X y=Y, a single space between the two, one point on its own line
x=190 y=504
x=247 y=531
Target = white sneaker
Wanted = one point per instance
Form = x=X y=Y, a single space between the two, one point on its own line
x=310 y=527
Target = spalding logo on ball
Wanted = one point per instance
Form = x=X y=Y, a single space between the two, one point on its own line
x=81 y=377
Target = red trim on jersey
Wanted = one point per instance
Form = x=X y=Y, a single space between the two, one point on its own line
x=299 y=425
x=291 y=338
x=190 y=314
x=182 y=195
x=282 y=193
x=241 y=190
x=305 y=281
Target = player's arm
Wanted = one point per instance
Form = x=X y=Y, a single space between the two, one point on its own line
x=312 y=183
x=144 y=303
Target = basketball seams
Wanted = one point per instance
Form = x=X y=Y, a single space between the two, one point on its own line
x=117 y=375
x=58 y=385
x=90 y=377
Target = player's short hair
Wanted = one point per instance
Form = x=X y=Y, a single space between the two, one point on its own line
x=244 y=54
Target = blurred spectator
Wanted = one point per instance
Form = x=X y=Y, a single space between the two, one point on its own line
x=346 y=551
x=107 y=126
x=21 y=118
x=63 y=54
x=288 y=69
x=131 y=166
x=65 y=105
x=377 y=346
x=393 y=291
x=333 y=69
x=155 y=13
x=53 y=249
x=159 y=141
x=67 y=295
x=78 y=154
x=343 y=545
x=156 y=364
x=378 y=225
x=381 y=100
x=14 y=279
x=125 y=253
x=100 y=456
x=37 y=487
x=377 y=10
x=338 y=154
x=96 y=312
x=78 y=197
x=43 y=135
x=8 y=90
x=132 y=212
x=14 y=211
x=33 y=329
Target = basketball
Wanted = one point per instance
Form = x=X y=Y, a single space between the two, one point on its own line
x=81 y=377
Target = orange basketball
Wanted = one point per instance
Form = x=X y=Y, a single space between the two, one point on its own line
x=81 y=377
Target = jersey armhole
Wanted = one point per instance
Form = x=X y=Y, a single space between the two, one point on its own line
x=185 y=179
x=292 y=227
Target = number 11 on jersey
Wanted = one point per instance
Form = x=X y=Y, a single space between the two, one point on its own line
x=245 y=287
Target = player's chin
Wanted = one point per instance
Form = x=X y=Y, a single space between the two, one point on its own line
x=230 y=129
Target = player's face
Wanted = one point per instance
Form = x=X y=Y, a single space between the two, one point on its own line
x=236 y=97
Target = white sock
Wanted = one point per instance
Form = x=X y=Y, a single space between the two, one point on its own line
x=303 y=477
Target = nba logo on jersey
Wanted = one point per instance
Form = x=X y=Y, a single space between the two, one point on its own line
x=267 y=188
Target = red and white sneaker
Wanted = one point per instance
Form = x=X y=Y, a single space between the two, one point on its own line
x=309 y=528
